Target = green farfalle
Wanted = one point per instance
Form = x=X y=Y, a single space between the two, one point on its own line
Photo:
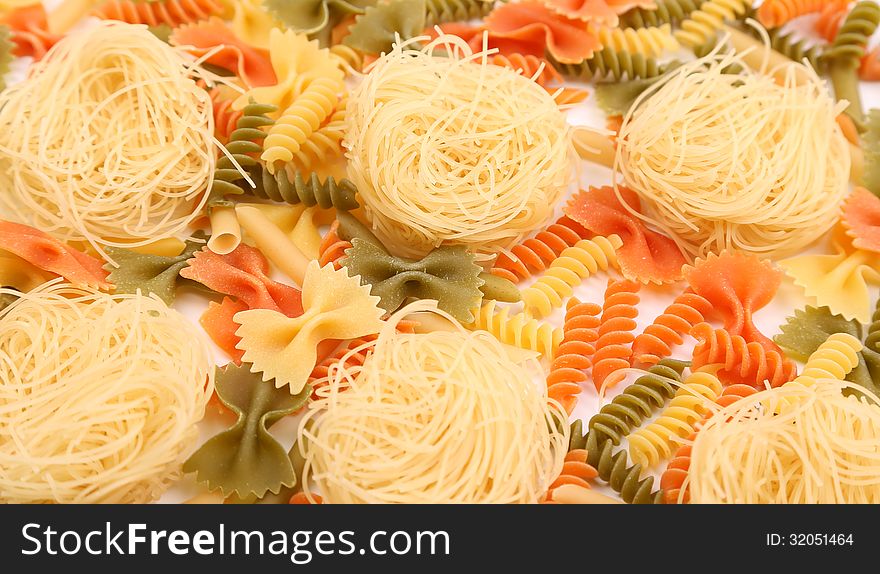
x=810 y=327
x=245 y=460
x=5 y=54
x=447 y=275
x=376 y=30
x=315 y=17
x=493 y=287
x=150 y=273
x=871 y=147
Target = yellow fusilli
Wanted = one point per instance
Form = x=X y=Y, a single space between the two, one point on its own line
x=573 y=265
x=645 y=41
x=657 y=441
x=517 y=329
x=708 y=20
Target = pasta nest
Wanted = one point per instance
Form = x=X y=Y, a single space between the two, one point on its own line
x=99 y=395
x=737 y=161
x=445 y=147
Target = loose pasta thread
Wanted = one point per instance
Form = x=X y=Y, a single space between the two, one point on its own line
x=572 y=359
x=655 y=343
x=614 y=346
x=534 y=254
x=517 y=329
x=573 y=265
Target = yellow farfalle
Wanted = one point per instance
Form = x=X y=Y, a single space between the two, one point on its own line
x=335 y=306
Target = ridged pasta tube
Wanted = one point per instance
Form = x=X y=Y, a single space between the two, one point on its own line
x=573 y=265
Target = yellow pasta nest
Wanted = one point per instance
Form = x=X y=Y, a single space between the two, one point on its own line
x=443 y=417
x=448 y=148
x=99 y=395
x=89 y=152
x=737 y=161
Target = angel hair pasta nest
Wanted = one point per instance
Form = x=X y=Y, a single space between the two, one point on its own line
x=737 y=160
x=99 y=395
x=445 y=147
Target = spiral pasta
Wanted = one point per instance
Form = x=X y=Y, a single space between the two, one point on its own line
x=645 y=41
x=834 y=359
x=225 y=117
x=775 y=13
x=656 y=341
x=517 y=329
x=614 y=345
x=650 y=445
x=674 y=480
x=439 y=11
x=637 y=402
x=572 y=359
x=796 y=49
x=709 y=19
x=848 y=46
x=297 y=123
x=170 y=12
x=573 y=265
x=665 y=12
x=617 y=64
x=312 y=191
x=575 y=470
x=614 y=468
x=244 y=142
x=332 y=247
x=325 y=143
x=534 y=254
x=830 y=19
x=747 y=363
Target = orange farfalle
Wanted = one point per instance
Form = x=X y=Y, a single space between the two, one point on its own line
x=44 y=251
x=29 y=31
x=529 y=28
x=646 y=255
x=251 y=64
x=861 y=219
x=242 y=274
x=736 y=285
x=598 y=11
x=567 y=40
